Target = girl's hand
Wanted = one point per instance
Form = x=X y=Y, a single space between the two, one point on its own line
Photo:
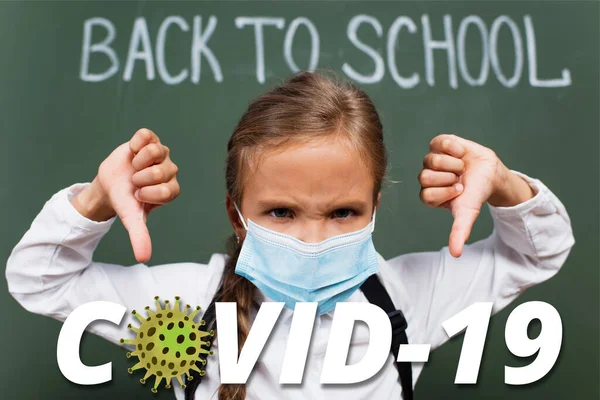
x=137 y=177
x=461 y=175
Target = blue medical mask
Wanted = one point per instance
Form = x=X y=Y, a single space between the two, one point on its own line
x=289 y=270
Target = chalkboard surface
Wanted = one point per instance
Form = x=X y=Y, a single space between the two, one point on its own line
x=78 y=78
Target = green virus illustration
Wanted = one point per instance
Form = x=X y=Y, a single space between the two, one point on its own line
x=168 y=343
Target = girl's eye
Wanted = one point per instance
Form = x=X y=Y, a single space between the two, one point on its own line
x=343 y=213
x=280 y=213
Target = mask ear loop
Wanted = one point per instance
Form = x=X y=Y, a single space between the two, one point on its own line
x=373 y=221
x=240 y=214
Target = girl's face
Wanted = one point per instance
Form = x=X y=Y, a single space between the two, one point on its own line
x=311 y=191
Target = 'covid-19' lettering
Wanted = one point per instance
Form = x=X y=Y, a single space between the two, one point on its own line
x=236 y=368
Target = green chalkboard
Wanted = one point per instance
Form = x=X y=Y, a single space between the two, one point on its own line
x=518 y=77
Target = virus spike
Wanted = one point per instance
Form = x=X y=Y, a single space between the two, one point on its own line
x=204 y=344
x=127 y=341
x=167 y=305
x=168 y=384
x=149 y=311
x=180 y=381
x=156 y=383
x=138 y=316
x=133 y=328
x=135 y=367
x=148 y=375
x=158 y=306
x=202 y=323
x=176 y=307
x=202 y=334
x=194 y=313
x=193 y=366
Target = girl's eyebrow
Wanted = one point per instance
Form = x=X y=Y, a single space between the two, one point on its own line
x=269 y=204
x=358 y=205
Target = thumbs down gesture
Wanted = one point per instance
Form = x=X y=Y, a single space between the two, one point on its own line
x=137 y=177
x=461 y=175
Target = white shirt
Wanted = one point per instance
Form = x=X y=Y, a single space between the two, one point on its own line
x=51 y=272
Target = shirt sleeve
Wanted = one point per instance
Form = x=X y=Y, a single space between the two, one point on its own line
x=528 y=245
x=51 y=271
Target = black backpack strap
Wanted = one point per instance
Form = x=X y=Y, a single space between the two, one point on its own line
x=211 y=323
x=376 y=294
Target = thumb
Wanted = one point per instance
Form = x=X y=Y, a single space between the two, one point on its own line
x=133 y=216
x=468 y=145
x=464 y=218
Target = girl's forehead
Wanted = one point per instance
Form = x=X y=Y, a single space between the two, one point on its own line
x=317 y=170
x=331 y=150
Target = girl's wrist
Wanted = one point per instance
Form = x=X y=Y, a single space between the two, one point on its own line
x=93 y=203
x=510 y=190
